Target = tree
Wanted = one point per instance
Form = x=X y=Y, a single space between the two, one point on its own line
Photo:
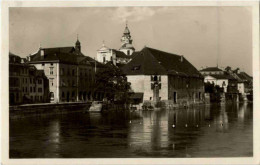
x=113 y=83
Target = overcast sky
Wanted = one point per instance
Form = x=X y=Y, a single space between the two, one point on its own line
x=201 y=34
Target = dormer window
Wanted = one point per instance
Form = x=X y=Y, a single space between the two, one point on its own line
x=136 y=67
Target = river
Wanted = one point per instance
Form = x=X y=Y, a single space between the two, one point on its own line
x=204 y=131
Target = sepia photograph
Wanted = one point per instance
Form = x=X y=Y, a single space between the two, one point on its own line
x=130 y=81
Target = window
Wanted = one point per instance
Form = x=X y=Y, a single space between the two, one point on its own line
x=51 y=96
x=150 y=98
x=104 y=59
x=63 y=95
x=26 y=80
x=34 y=89
x=30 y=80
x=128 y=52
x=39 y=90
x=39 y=81
x=62 y=71
x=73 y=72
x=51 y=70
x=73 y=83
x=51 y=81
x=111 y=58
x=30 y=89
x=223 y=84
x=40 y=98
x=68 y=72
x=43 y=64
x=25 y=89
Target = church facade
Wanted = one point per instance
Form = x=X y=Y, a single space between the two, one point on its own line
x=120 y=56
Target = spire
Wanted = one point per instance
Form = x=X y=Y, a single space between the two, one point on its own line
x=77 y=45
x=127 y=31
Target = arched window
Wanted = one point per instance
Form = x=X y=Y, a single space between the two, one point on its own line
x=128 y=52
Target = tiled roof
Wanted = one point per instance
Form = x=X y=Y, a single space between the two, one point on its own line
x=151 y=61
x=211 y=69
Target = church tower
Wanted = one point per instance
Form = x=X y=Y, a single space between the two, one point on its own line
x=77 y=44
x=126 y=42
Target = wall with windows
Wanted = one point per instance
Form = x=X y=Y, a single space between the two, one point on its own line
x=185 y=90
x=145 y=84
x=36 y=89
x=51 y=71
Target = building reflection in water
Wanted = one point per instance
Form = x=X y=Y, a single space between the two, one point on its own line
x=221 y=121
x=54 y=141
x=206 y=131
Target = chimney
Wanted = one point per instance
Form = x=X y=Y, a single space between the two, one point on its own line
x=181 y=58
x=42 y=53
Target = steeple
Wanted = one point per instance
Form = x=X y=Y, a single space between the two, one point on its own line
x=77 y=45
x=126 y=42
x=126 y=38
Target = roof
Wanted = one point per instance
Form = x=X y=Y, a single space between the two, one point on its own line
x=14 y=59
x=127 y=46
x=126 y=31
x=68 y=49
x=211 y=69
x=120 y=54
x=244 y=76
x=150 y=61
x=61 y=54
x=223 y=76
x=103 y=48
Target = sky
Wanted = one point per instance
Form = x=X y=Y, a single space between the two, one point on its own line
x=206 y=36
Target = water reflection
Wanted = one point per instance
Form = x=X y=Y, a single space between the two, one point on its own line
x=206 y=131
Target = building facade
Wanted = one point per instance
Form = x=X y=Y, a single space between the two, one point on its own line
x=26 y=83
x=71 y=74
x=162 y=76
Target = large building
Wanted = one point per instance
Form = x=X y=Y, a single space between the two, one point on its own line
x=117 y=57
x=158 y=75
x=26 y=83
x=71 y=74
